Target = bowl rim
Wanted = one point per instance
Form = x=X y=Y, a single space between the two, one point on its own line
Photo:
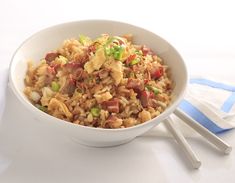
x=168 y=111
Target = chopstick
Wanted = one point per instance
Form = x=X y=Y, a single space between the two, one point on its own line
x=195 y=162
x=212 y=138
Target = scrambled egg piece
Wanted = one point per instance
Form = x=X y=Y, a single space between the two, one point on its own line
x=103 y=97
x=116 y=70
x=47 y=94
x=96 y=62
x=56 y=105
x=144 y=116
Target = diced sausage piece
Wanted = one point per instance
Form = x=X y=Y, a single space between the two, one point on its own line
x=103 y=74
x=79 y=73
x=70 y=89
x=73 y=65
x=114 y=122
x=145 y=98
x=51 y=56
x=91 y=49
x=112 y=105
x=146 y=51
x=69 y=86
x=82 y=59
x=51 y=70
x=136 y=84
x=49 y=78
x=156 y=73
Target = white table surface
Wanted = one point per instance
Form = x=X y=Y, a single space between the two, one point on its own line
x=202 y=31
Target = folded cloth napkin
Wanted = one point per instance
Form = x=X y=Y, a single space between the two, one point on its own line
x=211 y=104
x=208 y=102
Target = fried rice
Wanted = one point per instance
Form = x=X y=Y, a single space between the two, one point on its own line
x=107 y=82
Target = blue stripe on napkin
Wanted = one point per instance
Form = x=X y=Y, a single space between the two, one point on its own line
x=228 y=104
x=213 y=84
x=201 y=118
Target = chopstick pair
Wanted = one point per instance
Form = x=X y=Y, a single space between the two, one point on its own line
x=212 y=138
x=176 y=133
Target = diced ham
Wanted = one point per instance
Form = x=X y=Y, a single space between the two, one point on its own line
x=136 y=84
x=73 y=65
x=82 y=59
x=146 y=81
x=51 y=56
x=50 y=75
x=71 y=80
x=112 y=118
x=79 y=73
x=156 y=73
x=51 y=70
x=146 y=51
x=95 y=123
x=91 y=49
x=70 y=89
x=121 y=42
x=103 y=74
x=113 y=122
x=49 y=78
x=145 y=97
x=112 y=105
x=76 y=69
x=81 y=86
x=69 y=86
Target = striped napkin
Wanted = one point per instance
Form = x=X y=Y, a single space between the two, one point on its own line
x=209 y=102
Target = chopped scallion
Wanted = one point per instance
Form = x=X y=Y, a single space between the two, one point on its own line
x=135 y=61
x=95 y=111
x=42 y=108
x=153 y=89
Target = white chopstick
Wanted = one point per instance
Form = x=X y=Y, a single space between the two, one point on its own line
x=219 y=143
x=195 y=162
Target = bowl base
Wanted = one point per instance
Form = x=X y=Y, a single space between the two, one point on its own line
x=102 y=144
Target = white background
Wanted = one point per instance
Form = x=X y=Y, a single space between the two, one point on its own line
x=202 y=31
x=198 y=29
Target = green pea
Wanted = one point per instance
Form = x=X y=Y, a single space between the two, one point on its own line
x=55 y=86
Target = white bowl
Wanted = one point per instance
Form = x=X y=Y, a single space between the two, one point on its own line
x=48 y=39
